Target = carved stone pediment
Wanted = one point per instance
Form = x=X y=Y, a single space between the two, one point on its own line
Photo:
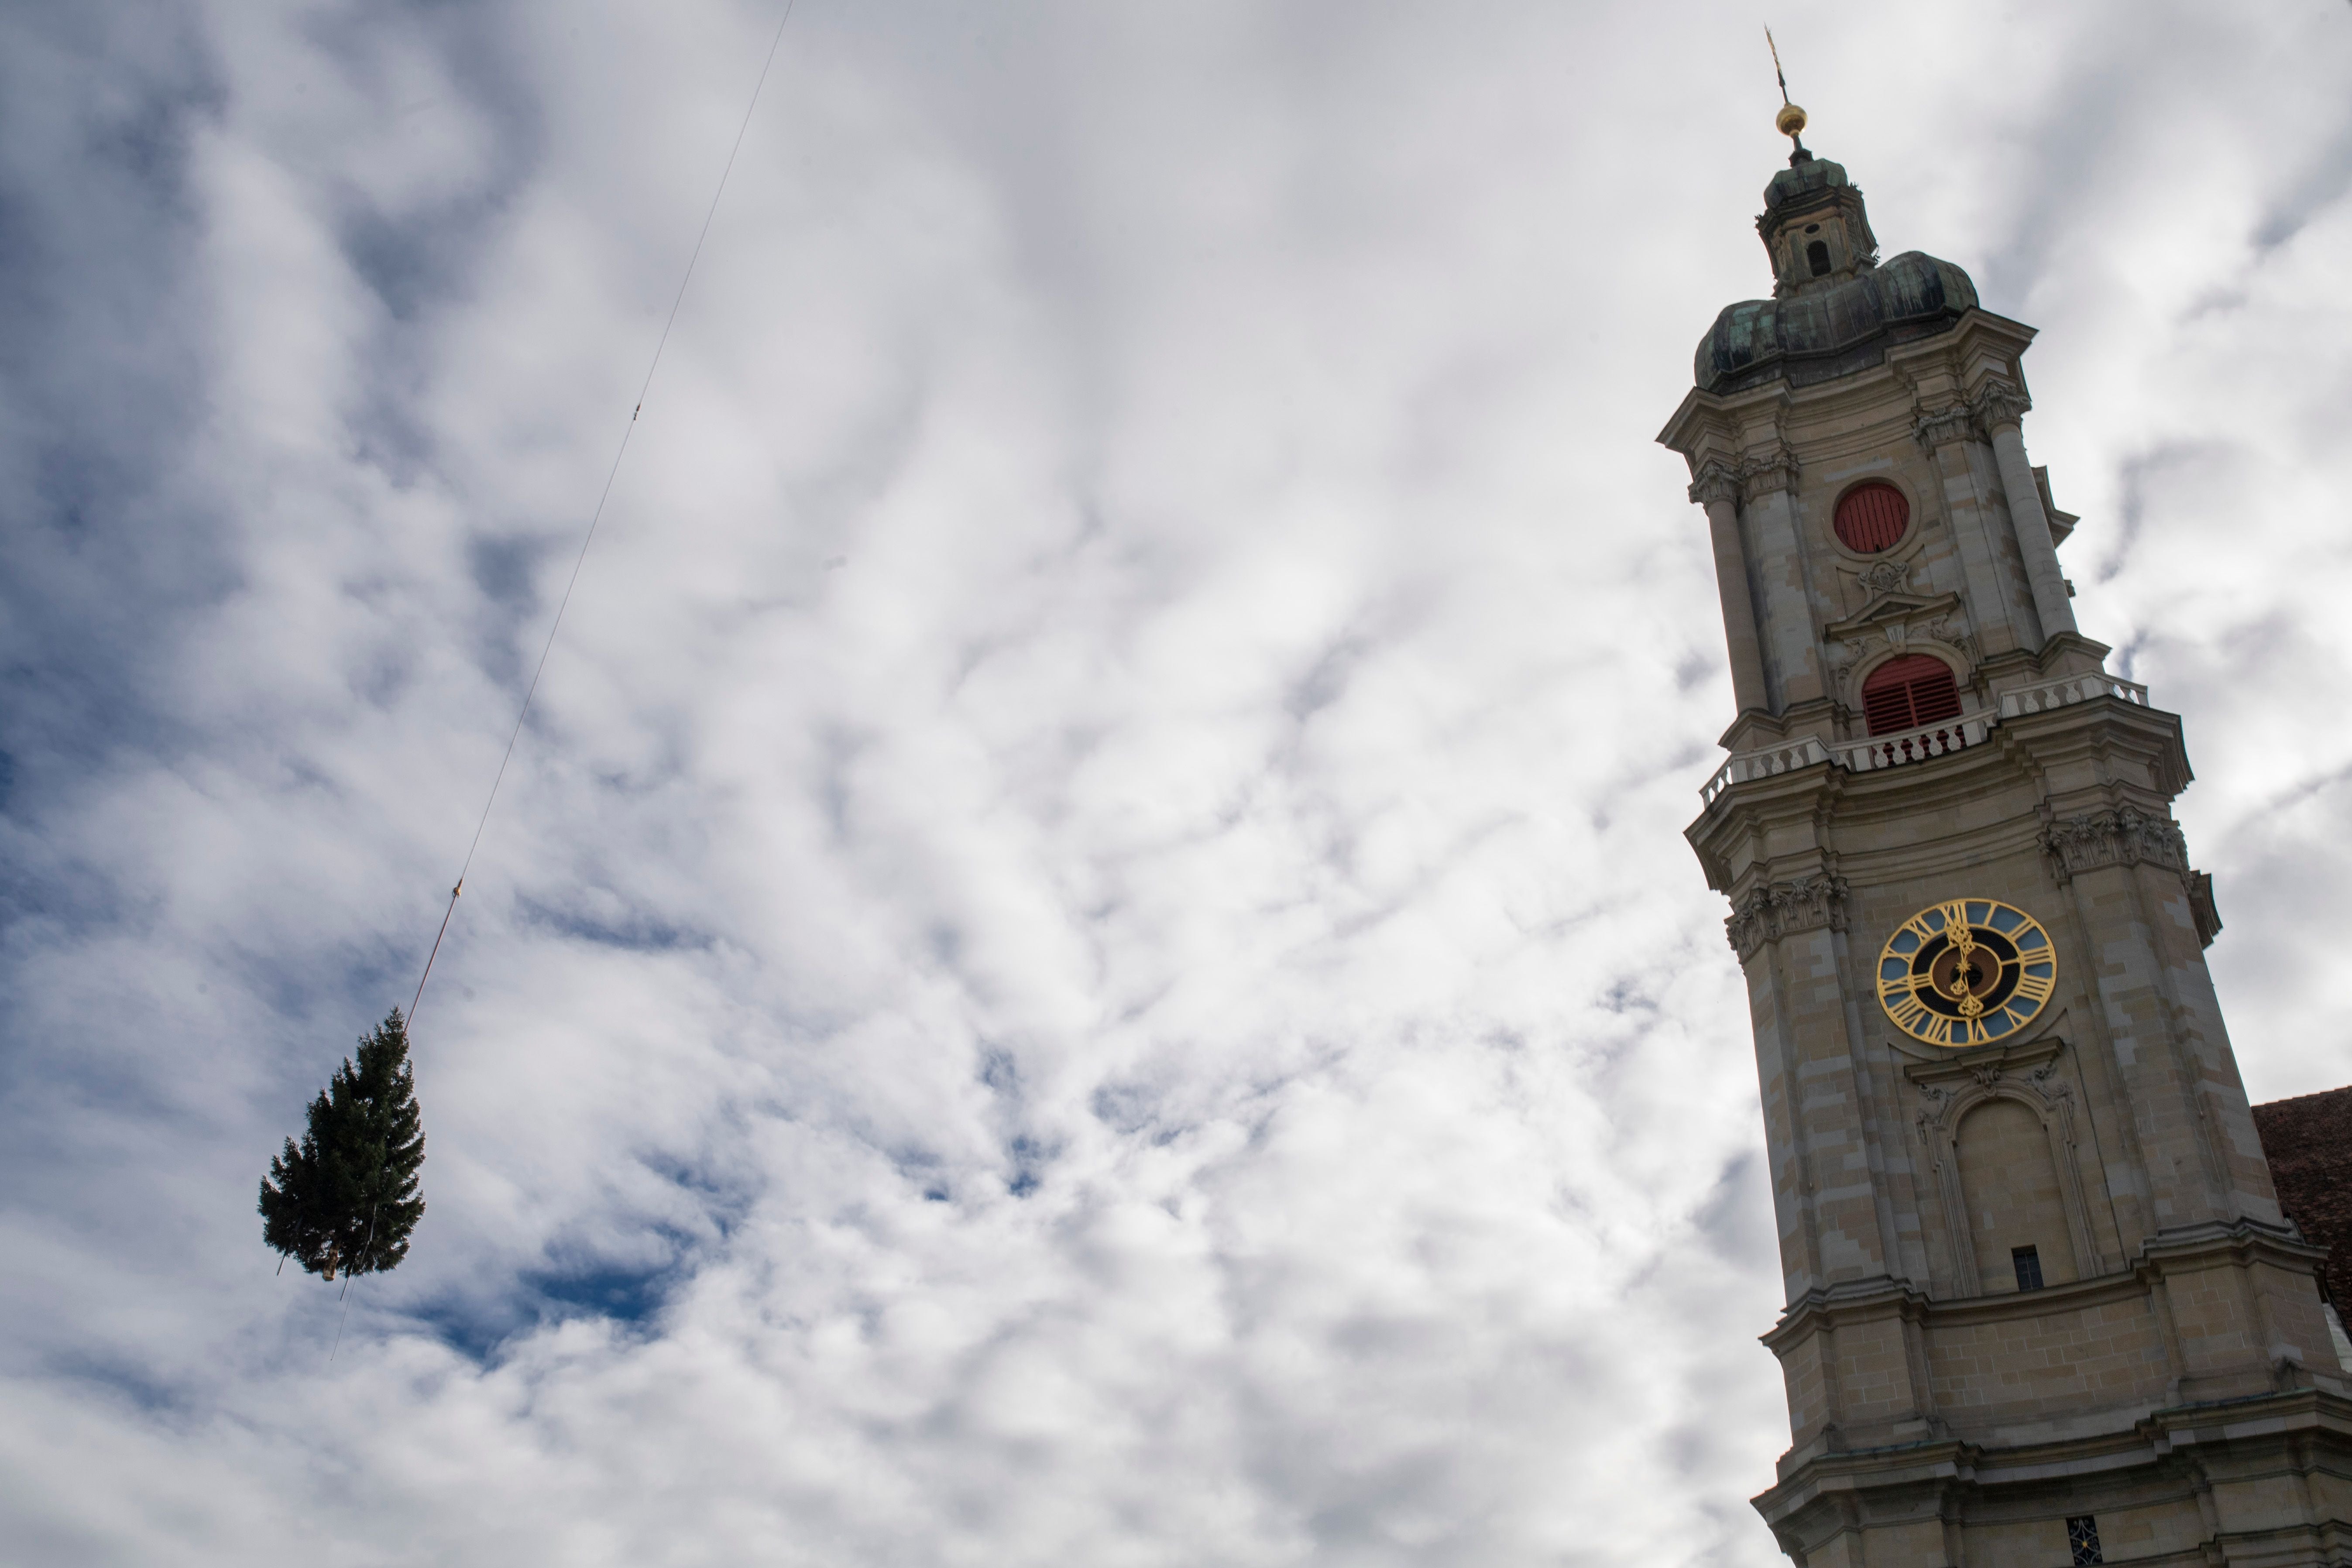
x=1897 y=620
x=1894 y=612
x=1946 y=1072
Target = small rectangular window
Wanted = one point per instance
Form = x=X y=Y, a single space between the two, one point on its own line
x=2029 y=1266
x=2083 y=1539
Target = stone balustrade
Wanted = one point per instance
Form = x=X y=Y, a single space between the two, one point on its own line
x=1918 y=745
x=2066 y=693
x=1802 y=752
x=1913 y=746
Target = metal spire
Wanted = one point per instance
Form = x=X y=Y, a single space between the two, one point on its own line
x=1790 y=120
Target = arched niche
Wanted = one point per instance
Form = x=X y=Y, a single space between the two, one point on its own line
x=2010 y=1192
x=2007 y=1174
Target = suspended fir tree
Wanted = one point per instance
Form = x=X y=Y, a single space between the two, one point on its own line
x=346 y=1199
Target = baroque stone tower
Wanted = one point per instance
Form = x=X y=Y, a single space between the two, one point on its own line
x=2042 y=1304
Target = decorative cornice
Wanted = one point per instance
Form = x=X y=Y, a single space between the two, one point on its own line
x=1802 y=1508
x=1782 y=908
x=2123 y=837
x=1768 y=471
x=1998 y=403
x=1714 y=480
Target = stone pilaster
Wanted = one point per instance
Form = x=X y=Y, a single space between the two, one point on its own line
x=1717 y=488
x=2000 y=410
x=1948 y=433
x=1791 y=642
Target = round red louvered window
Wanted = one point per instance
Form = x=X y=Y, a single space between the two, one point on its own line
x=1909 y=693
x=1872 y=517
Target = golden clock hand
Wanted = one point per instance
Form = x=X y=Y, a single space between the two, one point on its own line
x=1964 y=974
x=1961 y=990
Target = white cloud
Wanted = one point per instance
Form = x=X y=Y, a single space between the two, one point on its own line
x=1087 y=955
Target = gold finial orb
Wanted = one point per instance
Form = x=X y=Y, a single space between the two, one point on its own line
x=1789 y=120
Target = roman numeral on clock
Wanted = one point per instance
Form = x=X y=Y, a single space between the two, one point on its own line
x=1910 y=1013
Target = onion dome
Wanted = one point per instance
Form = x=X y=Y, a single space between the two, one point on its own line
x=1826 y=333
x=1835 y=308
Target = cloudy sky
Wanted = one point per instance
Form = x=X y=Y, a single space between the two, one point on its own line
x=1088 y=956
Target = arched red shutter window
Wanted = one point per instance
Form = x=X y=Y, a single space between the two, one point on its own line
x=1872 y=517
x=1908 y=692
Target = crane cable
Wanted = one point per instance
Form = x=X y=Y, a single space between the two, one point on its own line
x=578 y=561
x=597 y=515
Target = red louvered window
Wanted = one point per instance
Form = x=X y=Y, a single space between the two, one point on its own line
x=1908 y=692
x=1872 y=517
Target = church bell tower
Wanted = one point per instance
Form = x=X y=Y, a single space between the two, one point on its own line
x=2042 y=1304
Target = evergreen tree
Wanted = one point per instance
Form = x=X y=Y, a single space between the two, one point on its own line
x=346 y=1198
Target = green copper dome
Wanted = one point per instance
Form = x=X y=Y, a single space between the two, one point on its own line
x=1835 y=307
x=1828 y=331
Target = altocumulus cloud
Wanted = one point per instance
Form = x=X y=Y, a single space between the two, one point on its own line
x=1086 y=958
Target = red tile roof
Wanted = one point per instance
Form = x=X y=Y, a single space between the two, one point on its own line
x=2309 y=1142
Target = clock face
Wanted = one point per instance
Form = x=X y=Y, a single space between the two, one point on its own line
x=1966 y=972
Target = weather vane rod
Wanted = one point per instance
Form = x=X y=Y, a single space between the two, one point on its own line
x=1790 y=120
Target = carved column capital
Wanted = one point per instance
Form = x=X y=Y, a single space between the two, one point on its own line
x=1714 y=480
x=1997 y=404
x=2123 y=837
x=1782 y=908
x=1935 y=426
x=1768 y=471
